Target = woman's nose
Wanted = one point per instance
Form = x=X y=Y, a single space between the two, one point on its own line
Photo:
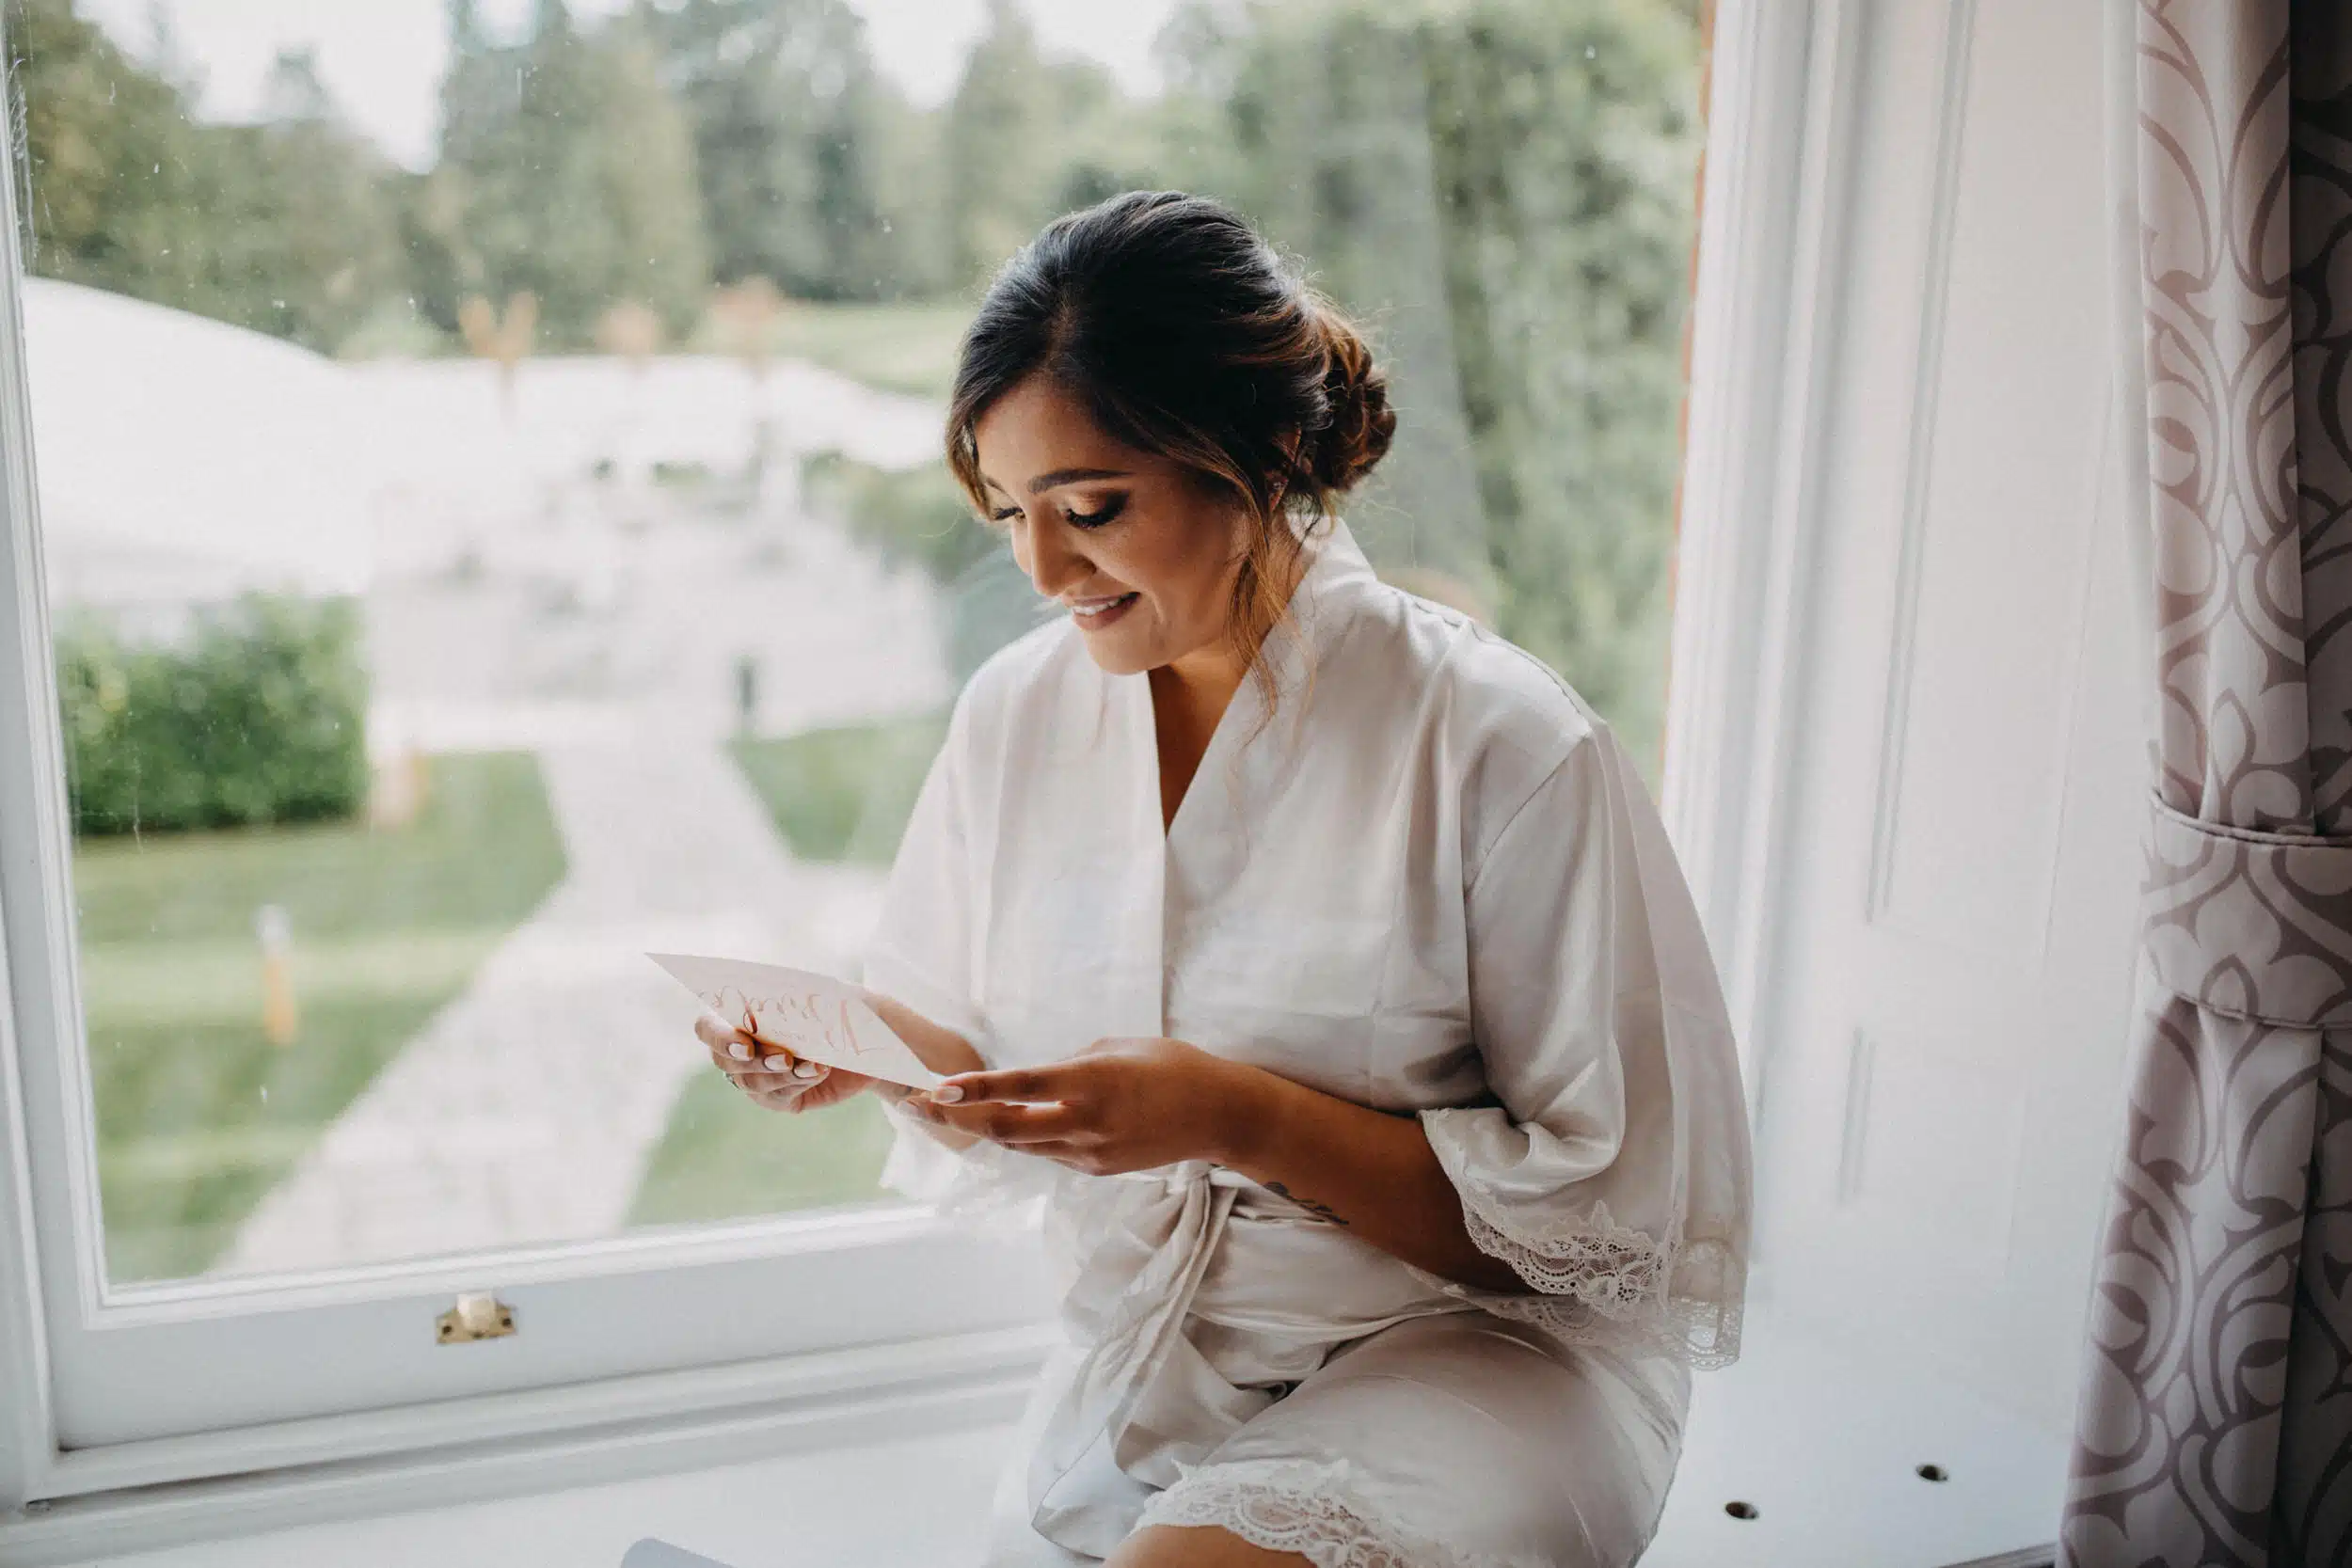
x=1053 y=566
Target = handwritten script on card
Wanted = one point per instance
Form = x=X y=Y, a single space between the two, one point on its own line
x=810 y=1014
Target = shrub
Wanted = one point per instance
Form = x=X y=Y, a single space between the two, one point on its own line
x=257 y=715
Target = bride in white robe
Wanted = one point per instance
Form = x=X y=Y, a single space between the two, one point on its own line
x=1431 y=883
x=1412 y=872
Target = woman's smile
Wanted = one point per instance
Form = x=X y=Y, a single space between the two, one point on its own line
x=1095 y=613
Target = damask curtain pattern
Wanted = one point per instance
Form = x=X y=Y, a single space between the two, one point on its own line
x=2215 y=1419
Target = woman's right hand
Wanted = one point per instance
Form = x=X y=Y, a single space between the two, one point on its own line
x=775 y=1078
x=772 y=1076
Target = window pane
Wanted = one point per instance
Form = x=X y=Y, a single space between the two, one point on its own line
x=488 y=462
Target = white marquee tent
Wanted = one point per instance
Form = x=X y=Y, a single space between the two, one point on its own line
x=181 y=460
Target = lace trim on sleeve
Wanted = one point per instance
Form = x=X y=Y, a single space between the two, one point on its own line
x=1700 y=1333
x=1617 y=1272
x=1599 y=1282
x=1312 y=1510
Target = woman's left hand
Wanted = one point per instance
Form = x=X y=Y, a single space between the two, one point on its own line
x=1121 y=1105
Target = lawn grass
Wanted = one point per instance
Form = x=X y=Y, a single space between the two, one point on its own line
x=899 y=348
x=845 y=794
x=197 y=1113
x=723 y=1157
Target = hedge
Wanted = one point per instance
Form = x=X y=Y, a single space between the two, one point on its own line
x=257 y=715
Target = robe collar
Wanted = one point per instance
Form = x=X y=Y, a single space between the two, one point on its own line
x=1332 y=587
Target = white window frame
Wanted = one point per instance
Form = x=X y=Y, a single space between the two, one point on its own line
x=1767 y=312
x=625 y=1391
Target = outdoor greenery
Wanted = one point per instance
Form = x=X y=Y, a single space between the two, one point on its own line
x=844 y=794
x=199 y=1113
x=723 y=1157
x=1502 y=189
x=901 y=346
x=566 y=170
x=919 y=517
x=257 y=715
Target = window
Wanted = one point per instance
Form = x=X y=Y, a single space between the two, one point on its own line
x=488 y=525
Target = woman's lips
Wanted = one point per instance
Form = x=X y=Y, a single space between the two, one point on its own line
x=1094 y=614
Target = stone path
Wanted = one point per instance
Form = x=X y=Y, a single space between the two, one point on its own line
x=525 y=1112
x=605 y=637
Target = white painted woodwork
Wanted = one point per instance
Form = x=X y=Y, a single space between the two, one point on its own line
x=1847 y=1494
x=1949 y=936
x=1904 y=773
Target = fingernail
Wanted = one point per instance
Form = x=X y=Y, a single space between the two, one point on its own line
x=807 y=1069
x=777 y=1064
x=947 y=1094
x=737 y=1049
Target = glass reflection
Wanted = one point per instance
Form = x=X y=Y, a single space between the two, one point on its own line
x=494 y=523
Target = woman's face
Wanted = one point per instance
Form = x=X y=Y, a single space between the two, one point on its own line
x=1137 y=549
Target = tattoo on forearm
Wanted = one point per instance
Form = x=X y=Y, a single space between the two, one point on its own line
x=1321 y=1210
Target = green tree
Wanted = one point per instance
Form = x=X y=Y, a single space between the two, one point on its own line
x=1025 y=138
x=320 y=225
x=567 y=170
x=284 y=227
x=1502 y=189
x=100 y=134
x=787 y=114
x=911 y=190
x=992 y=151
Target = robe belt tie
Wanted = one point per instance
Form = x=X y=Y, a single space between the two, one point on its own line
x=2246 y=923
x=1144 y=1403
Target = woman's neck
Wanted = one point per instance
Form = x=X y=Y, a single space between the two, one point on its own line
x=1206 y=678
x=1189 y=696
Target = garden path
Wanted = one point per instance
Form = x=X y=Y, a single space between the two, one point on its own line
x=526 y=1109
x=605 y=637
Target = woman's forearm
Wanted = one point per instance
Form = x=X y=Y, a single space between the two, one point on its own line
x=1366 y=1169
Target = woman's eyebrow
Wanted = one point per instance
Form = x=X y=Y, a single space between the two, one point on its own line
x=1045 y=482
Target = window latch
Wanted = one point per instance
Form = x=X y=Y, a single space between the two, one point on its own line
x=475 y=1317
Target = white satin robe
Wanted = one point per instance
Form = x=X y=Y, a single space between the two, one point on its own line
x=1430 y=882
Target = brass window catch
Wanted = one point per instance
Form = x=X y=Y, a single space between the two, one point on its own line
x=475 y=1317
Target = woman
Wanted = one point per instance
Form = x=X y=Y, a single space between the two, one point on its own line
x=1314 y=954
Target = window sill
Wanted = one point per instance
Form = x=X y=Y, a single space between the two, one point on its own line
x=1819 y=1437
x=477 y=1450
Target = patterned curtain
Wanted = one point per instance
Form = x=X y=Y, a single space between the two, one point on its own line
x=2215 y=1419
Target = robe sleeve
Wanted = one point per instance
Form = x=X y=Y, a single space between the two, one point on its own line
x=1610 y=1169
x=922 y=953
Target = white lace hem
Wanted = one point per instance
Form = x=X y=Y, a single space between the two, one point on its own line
x=1312 y=1510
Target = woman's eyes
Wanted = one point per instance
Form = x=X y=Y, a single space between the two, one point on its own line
x=1096 y=518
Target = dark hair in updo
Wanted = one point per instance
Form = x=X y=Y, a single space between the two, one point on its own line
x=1184 y=335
